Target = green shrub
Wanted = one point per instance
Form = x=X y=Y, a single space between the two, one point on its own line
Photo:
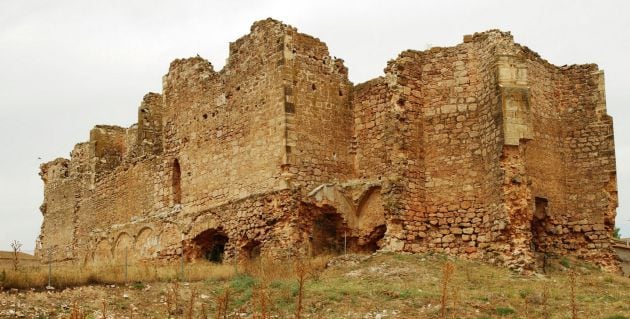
x=242 y=282
x=504 y=311
x=138 y=285
x=565 y=262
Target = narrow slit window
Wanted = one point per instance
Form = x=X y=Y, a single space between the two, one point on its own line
x=177 y=183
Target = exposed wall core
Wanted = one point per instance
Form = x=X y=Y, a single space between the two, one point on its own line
x=539 y=224
x=482 y=150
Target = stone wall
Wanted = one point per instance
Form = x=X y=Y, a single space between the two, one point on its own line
x=482 y=150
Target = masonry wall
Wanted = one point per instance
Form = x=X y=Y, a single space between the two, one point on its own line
x=446 y=127
x=59 y=207
x=591 y=172
x=482 y=150
x=318 y=113
x=228 y=140
x=371 y=108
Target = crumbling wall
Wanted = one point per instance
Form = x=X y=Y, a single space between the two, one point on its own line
x=149 y=131
x=59 y=208
x=446 y=125
x=482 y=150
x=591 y=173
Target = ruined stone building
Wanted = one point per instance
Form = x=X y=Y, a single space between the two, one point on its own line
x=482 y=150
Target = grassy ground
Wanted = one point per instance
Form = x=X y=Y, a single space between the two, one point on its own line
x=381 y=286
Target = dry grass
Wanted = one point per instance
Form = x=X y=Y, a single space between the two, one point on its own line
x=72 y=276
x=447 y=273
x=413 y=286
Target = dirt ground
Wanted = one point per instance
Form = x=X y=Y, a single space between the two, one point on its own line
x=353 y=286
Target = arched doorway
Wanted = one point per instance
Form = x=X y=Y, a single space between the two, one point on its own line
x=210 y=245
x=102 y=253
x=328 y=234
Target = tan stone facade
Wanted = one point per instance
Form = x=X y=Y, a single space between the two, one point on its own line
x=482 y=150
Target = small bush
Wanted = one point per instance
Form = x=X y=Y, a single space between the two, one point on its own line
x=242 y=282
x=138 y=285
x=565 y=262
x=504 y=311
x=524 y=293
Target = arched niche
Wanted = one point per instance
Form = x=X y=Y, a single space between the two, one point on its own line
x=147 y=244
x=123 y=247
x=102 y=253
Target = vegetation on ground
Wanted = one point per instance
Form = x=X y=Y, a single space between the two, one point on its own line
x=385 y=285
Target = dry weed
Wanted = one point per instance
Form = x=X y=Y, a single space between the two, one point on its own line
x=447 y=272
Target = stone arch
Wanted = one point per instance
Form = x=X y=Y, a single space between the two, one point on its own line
x=123 y=245
x=146 y=244
x=201 y=224
x=209 y=245
x=371 y=225
x=330 y=195
x=102 y=252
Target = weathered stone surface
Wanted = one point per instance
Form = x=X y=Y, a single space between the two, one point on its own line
x=482 y=150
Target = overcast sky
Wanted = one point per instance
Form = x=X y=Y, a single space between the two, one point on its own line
x=66 y=66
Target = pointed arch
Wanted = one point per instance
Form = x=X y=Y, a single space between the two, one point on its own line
x=146 y=244
x=123 y=245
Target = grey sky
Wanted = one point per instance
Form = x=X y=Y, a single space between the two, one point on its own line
x=66 y=66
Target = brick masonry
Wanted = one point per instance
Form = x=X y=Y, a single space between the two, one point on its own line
x=482 y=150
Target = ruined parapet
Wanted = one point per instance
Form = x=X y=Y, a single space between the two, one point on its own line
x=149 y=134
x=109 y=147
x=58 y=209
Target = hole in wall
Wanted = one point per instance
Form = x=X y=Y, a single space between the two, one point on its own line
x=205 y=116
x=539 y=223
x=313 y=87
x=370 y=242
x=252 y=250
x=328 y=234
x=210 y=245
